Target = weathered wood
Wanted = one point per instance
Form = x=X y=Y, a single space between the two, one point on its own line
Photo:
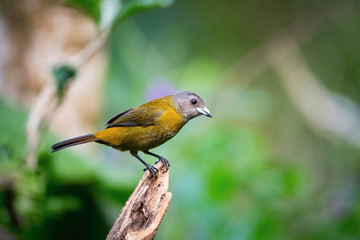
x=144 y=210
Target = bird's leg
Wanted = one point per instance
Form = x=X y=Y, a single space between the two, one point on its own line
x=153 y=170
x=163 y=160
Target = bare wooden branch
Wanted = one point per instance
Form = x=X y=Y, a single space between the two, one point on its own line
x=144 y=210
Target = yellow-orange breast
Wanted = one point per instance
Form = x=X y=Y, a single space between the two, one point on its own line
x=143 y=138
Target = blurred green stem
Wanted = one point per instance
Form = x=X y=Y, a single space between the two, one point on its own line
x=48 y=100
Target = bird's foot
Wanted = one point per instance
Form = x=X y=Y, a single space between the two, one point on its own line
x=153 y=171
x=165 y=163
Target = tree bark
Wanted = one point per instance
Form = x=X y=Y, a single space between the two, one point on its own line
x=144 y=210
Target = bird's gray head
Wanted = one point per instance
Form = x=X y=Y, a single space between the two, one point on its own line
x=190 y=105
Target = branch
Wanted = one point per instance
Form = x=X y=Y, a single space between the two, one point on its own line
x=144 y=210
x=322 y=109
x=90 y=49
x=47 y=101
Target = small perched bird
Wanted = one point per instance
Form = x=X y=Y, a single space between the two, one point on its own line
x=145 y=127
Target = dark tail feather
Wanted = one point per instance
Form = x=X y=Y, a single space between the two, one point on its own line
x=73 y=141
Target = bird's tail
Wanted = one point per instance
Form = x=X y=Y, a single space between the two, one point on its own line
x=73 y=141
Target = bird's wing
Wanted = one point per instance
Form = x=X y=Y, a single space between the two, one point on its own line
x=140 y=116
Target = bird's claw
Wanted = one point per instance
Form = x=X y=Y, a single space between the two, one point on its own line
x=153 y=171
x=165 y=163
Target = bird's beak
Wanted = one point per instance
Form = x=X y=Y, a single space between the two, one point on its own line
x=204 y=111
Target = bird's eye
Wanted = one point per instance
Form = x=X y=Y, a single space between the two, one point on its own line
x=193 y=101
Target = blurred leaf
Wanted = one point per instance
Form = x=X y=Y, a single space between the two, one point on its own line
x=90 y=7
x=106 y=12
x=63 y=73
x=131 y=7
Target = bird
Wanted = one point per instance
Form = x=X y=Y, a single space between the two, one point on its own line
x=145 y=127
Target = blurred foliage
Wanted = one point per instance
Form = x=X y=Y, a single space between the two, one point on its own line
x=110 y=12
x=257 y=170
x=90 y=7
x=63 y=73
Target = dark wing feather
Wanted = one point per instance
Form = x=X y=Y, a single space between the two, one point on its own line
x=129 y=124
x=117 y=116
x=140 y=116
